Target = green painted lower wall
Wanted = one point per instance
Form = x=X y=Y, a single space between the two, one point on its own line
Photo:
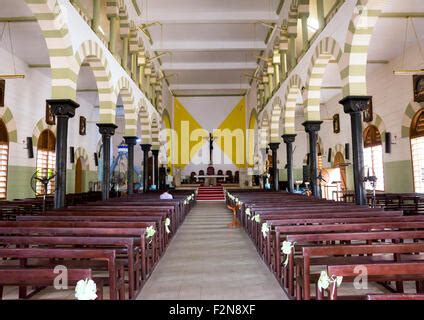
x=18 y=185
x=297 y=173
x=398 y=176
x=90 y=176
x=19 y=181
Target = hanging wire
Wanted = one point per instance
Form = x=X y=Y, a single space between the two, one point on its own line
x=404 y=43
x=12 y=48
x=418 y=39
x=2 y=33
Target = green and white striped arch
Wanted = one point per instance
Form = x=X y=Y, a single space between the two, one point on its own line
x=123 y=89
x=292 y=19
x=155 y=133
x=326 y=50
x=93 y=53
x=275 y=120
x=146 y=130
x=80 y=152
x=338 y=148
x=411 y=110
x=379 y=124
x=51 y=21
x=264 y=132
x=293 y=91
x=40 y=127
x=354 y=61
x=8 y=120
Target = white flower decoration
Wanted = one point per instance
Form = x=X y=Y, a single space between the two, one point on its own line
x=150 y=232
x=167 y=225
x=286 y=249
x=257 y=218
x=248 y=212
x=86 y=290
x=265 y=229
x=325 y=281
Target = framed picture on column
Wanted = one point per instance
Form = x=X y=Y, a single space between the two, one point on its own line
x=2 y=91
x=419 y=88
x=368 y=113
x=336 y=123
x=50 y=118
x=83 y=126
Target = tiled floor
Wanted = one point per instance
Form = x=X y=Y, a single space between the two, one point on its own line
x=206 y=260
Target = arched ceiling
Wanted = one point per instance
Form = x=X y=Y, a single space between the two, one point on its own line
x=210 y=44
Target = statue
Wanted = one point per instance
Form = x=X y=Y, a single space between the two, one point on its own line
x=211 y=141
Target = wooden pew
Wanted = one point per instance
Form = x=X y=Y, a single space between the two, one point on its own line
x=44 y=278
x=115 y=269
x=405 y=271
x=349 y=254
x=122 y=246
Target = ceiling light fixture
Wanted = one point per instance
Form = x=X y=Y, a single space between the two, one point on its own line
x=410 y=72
x=12 y=51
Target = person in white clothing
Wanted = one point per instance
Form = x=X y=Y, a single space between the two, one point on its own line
x=166 y=196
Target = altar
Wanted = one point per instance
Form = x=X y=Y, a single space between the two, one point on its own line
x=211 y=180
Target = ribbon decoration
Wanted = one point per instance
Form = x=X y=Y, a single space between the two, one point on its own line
x=167 y=225
x=248 y=212
x=286 y=249
x=86 y=290
x=257 y=218
x=265 y=229
x=150 y=232
x=325 y=281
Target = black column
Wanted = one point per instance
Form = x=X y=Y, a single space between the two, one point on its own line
x=275 y=176
x=107 y=130
x=146 y=148
x=156 y=167
x=131 y=142
x=63 y=110
x=289 y=140
x=312 y=128
x=354 y=105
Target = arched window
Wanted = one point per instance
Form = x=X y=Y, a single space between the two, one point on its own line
x=417 y=148
x=319 y=158
x=4 y=158
x=46 y=159
x=373 y=156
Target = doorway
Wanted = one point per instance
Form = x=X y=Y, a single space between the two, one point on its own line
x=78 y=176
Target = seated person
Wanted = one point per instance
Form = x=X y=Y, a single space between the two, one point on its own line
x=169 y=179
x=166 y=196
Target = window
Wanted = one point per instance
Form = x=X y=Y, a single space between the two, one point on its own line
x=46 y=160
x=319 y=158
x=373 y=156
x=4 y=158
x=417 y=148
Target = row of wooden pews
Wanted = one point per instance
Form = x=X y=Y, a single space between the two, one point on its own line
x=313 y=246
x=116 y=243
x=10 y=209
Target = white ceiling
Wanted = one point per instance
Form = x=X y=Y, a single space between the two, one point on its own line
x=212 y=44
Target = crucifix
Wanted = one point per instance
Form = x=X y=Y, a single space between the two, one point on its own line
x=211 y=140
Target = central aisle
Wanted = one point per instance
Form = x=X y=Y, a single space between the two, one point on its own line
x=208 y=261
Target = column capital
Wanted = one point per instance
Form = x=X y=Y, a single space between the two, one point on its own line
x=312 y=126
x=63 y=107
x=352 y=104
x=145 y=147
x=107 y=128
x=274 y=146
x=289 y=138
x=155 y=152
x=131 y=140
